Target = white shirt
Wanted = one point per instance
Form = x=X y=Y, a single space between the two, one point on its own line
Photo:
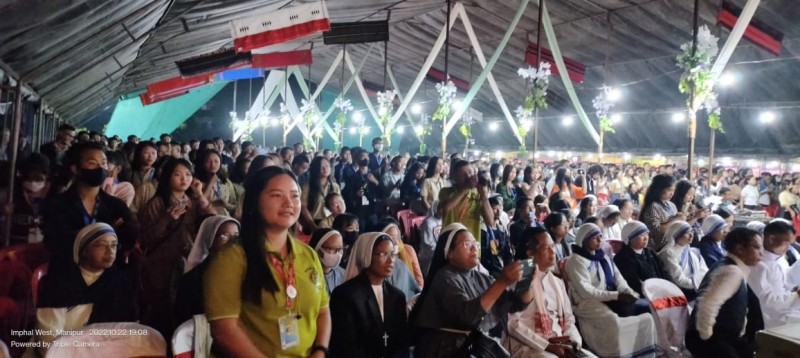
x=778 y=303
x=750 y=195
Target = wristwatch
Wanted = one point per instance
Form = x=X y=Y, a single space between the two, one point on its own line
x=318 y=348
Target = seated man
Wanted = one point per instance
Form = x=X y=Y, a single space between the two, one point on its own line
x=89 y=290
x=727 y=315
x=780 y=302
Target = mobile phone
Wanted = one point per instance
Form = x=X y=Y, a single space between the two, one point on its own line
x=527 y=276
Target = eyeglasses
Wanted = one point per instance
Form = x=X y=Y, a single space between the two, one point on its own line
x=228 y=236
x=383 y=256
x=332 y=251
x=470 y=244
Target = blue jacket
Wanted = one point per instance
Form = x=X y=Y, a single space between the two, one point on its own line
x=711 y=252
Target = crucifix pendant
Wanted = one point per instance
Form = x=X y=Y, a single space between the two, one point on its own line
x=385 y=339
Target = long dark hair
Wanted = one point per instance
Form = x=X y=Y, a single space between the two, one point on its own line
x=204 y=175
x=137 y=163
x=584 y=207
x=118 y=158
x=561 y=179
x=528 y=175
x=437 y=263
x=520 y=202
x=681 y=188
x=493 y=171
x=237 y=173
x=430 y=172
x=164 y=189
x=507 y=173
x=410 y=180
x=552 y=220
x=660 y=183
x=314 y=179
x=257 y=275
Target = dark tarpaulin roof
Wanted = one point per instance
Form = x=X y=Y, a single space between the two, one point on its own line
x=80 y=55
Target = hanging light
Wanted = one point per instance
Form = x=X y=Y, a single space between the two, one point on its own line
x=767 y=117
x=418 y=129
x=457 y=104
x=614 y=94
x=616 y=118
x=352 y=130
x=567 y=121
x=727 y=79
x=401 y=129
x=416 y=108
x=358 y=117
x=493 y=126
x=678 y=117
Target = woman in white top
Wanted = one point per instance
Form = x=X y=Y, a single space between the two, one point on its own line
x=750 y=194
x=546 y=328
x=683 y=265
x=613 y=320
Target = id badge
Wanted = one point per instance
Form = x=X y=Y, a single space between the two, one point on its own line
x=493 y=247
x=364 y=201
x=290 y=331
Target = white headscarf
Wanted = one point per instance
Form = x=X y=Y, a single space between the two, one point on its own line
x=87 y=235
x=674 y=231
x=454 y=229
x=586 y=231
x=205 y=239
x=361 y=255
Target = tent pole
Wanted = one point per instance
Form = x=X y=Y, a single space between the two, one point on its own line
x=538 y=64
x=692 y=107
x=446 y=78
x=13 y=159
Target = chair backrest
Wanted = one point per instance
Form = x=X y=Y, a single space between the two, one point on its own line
x=31 y=255
x=138 y=341
x=12 y=317
x=670 y=312
x=182 y=340
x=37 y=276
x=405 y=217
x=15 y=280
x=562 y=265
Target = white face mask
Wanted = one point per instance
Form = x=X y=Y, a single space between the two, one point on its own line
x=33 y=186
x=330 y=260
x=378 y=147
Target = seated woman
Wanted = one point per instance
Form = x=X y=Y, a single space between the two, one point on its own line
x=90 y=291
x=460 y=299
x=523 y=218
x=329 y=246
x=369 y=314
x=406 y=253
x=215 y=231
x=682 y=265
x=546 y=329
x=347 y=225
x=614 y=321
x=728 y=314
x=557 y=227
x=635 y=261
x=714 y=230
x=402 y=275
x=588 y=209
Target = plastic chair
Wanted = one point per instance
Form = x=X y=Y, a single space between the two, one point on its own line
x=31 y=255
x=405 y=217
x=192 y=338
x=11 y=317
x=4 y=350
x=137 y=341
x=36 y=278
x=671 y=314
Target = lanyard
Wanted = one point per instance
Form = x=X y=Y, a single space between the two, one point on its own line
x=288 y=280
x=87 y=217
x=217 y=190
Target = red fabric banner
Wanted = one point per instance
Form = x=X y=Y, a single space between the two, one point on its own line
x=575 y=69
x=282 y=59
x=171 y=88
x=752 y=33
x=286 y=34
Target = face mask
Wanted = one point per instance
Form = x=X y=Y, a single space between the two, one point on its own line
x=33 y=186
x=350 y=237
x=93 y=177
x=364 y=163
x=378 y=147
x=329 y=260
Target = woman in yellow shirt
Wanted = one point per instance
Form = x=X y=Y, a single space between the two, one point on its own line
x=434 y=182
x=265 y=295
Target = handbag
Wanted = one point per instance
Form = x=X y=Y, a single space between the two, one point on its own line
x=480 y=345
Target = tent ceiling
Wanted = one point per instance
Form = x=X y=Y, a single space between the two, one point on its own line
x=131 y=43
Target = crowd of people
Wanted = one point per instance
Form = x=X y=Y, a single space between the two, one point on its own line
x=291 y=252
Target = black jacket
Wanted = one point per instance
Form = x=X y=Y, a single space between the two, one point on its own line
x=358 y=330
x=63 y=217
x=636 y=268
